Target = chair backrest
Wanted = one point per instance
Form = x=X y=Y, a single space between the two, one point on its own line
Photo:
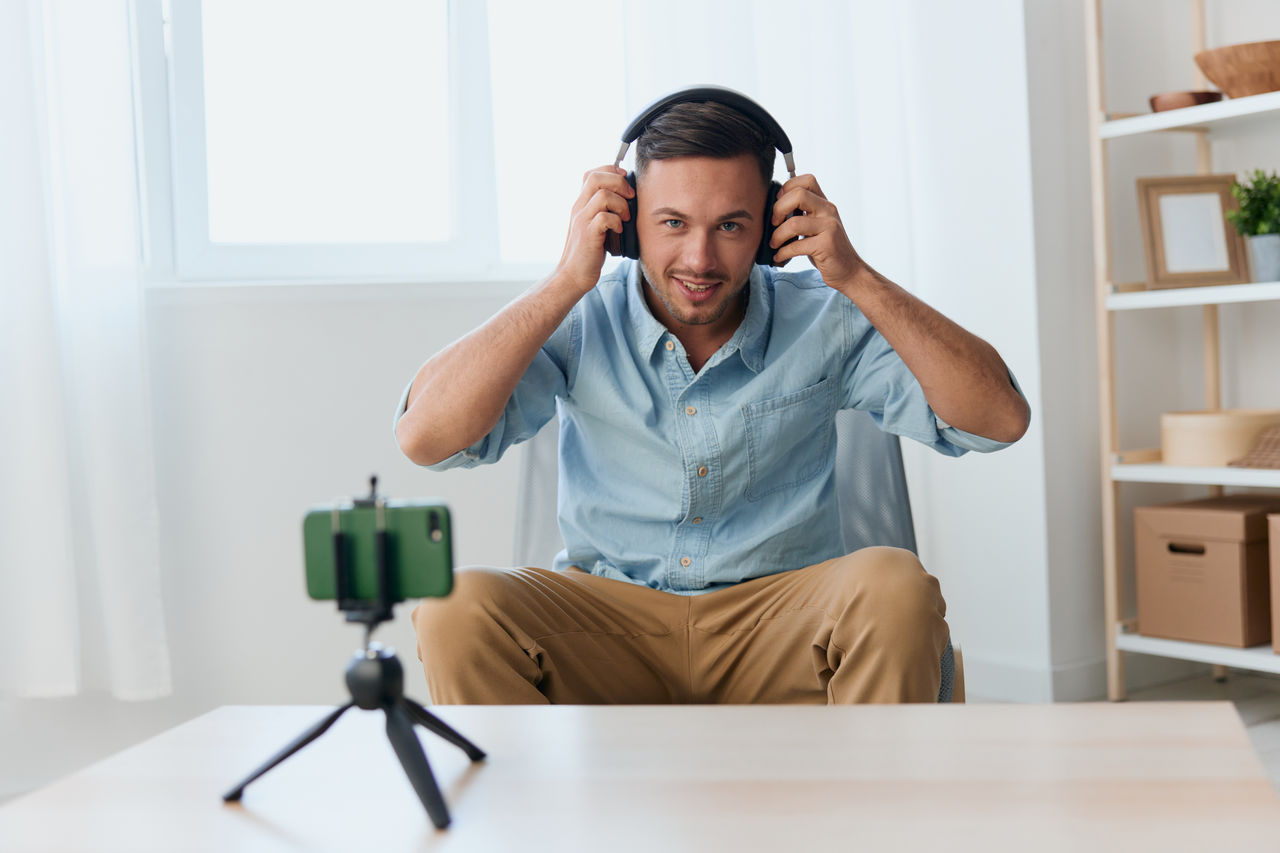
x=875 y=508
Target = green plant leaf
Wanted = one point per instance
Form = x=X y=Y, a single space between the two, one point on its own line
x=1259 y=199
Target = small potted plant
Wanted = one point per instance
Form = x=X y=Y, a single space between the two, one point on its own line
x=1258 y=219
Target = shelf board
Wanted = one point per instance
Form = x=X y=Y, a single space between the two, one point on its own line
x=1196 y=475
x=1230 y=113
x=1262 y=291
x=1259 y=658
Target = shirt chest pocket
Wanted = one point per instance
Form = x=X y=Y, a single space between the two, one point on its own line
x=790 y=439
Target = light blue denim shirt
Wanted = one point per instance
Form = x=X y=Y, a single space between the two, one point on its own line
x=687 y=482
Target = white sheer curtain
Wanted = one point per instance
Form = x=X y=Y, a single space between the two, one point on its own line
x=80 y=606
x=836 y=76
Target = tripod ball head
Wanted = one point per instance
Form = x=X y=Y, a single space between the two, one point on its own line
x=375 y=677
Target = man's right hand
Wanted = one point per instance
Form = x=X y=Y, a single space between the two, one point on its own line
x=459 y=394
x=601 y=208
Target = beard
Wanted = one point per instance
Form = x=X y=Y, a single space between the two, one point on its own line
x=696 y=315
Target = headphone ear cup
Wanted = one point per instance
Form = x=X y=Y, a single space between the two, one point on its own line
x=629 y=242
x=764 y=254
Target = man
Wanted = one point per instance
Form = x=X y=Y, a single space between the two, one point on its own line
x=697 y=394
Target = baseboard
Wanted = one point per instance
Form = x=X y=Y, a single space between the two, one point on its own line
x=994 y=680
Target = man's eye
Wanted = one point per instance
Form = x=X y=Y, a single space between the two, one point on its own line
x=730 y=226
x=672 y=223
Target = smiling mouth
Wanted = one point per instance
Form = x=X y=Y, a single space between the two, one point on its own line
x=695 y=287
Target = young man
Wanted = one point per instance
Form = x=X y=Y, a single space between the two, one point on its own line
x=697 y=396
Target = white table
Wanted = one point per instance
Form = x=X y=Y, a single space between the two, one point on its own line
x=1140 y=776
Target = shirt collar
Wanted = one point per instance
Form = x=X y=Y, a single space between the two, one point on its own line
x=750 y=339
x=648 y=330
x=752 y=336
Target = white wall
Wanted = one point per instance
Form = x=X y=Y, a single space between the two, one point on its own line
x=981 y=518
x=1067 y=345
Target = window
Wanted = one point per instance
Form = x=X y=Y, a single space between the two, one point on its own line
x=558 y=110
x=369 y=141
x=324 y=124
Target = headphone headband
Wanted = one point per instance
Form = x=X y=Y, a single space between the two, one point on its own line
x=719 y=95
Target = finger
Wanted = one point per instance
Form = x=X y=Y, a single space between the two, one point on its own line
x=608 y=168
x=807 y=185
x=796 y=248
x=801 y=200
x=607 y=199
x=609 y=177
x=806 y=182
x=593 y=198
x=606 y=221
x=787 y=252
x=796 y=201
x=802 y=226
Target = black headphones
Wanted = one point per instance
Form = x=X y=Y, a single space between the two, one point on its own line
x=628 y=244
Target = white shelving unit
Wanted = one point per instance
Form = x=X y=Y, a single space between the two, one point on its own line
x=1260 y=658
x=1155 y=472
x=1226 y=116
x=1220 y=295
x=1222 y=119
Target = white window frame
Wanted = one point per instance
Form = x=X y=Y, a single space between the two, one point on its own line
x=173 y=170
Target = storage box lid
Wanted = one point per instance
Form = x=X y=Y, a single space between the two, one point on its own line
x=1237 y=518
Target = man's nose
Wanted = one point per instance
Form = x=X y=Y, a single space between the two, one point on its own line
x=700 y=254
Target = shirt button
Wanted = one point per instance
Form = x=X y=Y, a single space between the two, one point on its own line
x=686 y=562
x=697 y=519
x=702 y=472
x=670 y=346
x=690 y=410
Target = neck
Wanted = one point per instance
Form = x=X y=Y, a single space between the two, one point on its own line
x=700 y=340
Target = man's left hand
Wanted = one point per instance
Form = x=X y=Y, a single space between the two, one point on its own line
x=825 y=241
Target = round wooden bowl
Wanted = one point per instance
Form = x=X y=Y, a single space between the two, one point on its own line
x=1178 y=100
x=1243 y=69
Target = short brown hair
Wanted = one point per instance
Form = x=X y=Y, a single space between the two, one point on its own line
x=706 y=129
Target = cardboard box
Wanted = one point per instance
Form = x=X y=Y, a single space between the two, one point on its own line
x=1273 y=527
x=1202 y=570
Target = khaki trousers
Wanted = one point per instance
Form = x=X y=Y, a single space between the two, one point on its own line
x=866 y=627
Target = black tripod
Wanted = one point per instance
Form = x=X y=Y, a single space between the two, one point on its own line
x=376 y=681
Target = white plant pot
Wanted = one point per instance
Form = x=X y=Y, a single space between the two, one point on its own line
x=1264 y=257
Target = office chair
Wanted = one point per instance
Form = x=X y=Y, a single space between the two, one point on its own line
x=871 y=483
x=875 y=508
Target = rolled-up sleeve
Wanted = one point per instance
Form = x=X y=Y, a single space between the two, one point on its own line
x=530 y=406
x=879 y=382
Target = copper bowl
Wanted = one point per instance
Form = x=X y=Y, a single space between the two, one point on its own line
x=1243 y=69
x=1178 y=100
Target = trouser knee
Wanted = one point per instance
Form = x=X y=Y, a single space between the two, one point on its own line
x=894 y=584
x=889 y=634
x=449 y=627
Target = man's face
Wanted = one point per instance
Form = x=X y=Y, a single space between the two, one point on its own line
x=699 y=220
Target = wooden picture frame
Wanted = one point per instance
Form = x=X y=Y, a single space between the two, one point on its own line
x=1186 y=237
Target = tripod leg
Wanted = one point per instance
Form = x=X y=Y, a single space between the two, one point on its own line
x=432 y=723
x=414 y=761
x=302 y=740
